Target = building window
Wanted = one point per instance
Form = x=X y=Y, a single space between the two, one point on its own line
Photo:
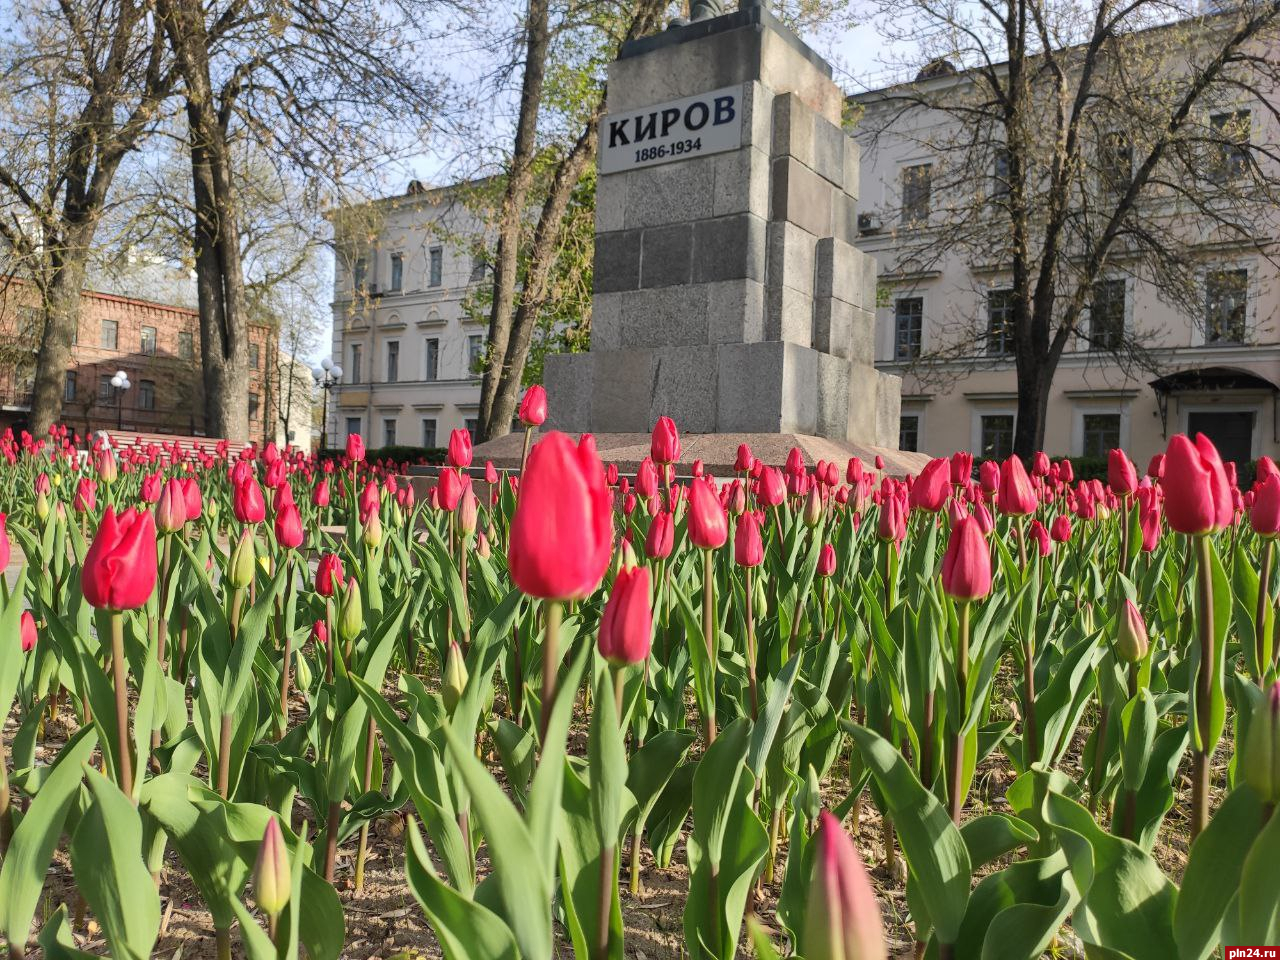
x=146 y=395
x=353 y=426
x=393 y=361
x=106 y=392
x=1101 y=433
x=186 y=345
x=354 y=372
x=1000 y=323
x=431 y=357
x=428 y=432
x=435 y=260
x=475 y=354
x=917 y=188
x=1115 y=162
x=996 y=435
x=109 y=336
x=358 y=277
x=909 y=432
x=1106 y=315
x=479 y=265
x=1226 y=297
x=1231 y=148
x=69 y=386
x=389 y=432
x=253 y=407
x=908 y=317
x=1000 y=174
x=397 y=272
x=254 y=356
x=148 y=340
x=473 y=428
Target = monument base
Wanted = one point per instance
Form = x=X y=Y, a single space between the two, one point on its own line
x=717 y=451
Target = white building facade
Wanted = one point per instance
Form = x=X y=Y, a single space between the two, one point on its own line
x=409 y=353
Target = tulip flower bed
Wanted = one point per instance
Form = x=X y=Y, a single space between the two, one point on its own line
x=273 y=707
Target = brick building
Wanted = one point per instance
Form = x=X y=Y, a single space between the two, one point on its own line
x=156 y=344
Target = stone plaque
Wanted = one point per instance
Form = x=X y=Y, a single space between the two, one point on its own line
x=676 y=130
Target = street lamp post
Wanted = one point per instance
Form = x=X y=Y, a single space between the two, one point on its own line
x=120 y=383
x=326 y=376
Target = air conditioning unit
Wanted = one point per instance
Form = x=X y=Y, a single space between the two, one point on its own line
x=869 y=223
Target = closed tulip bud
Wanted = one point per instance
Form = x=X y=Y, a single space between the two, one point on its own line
x=320 y=632
x=1040 y=464
x=454 y=680
x=355 y=447
x=152 y=485
x=771 y=490
x=748 y=547
x=812 y=513
x=482 y=545
x=1197 y=496
x=247 y=502
x=1060 y=530
x=664 y=445
x=351 y=613
x=842 y=919
x=1015 y=495
x=86 y=497
x=966 y=566
x=240 y=570
x=708 y=524
x=737 y=498
x=961 y=466
x=562 y=529
x=626 y=627
x=1264 y=514
x=272 y=877
x=320 y=495
x=106 y=464
x=742 y=463
x=460 y=449
x=986 y=521
x=646 y=479
x=329 y=575
x=491 y=472
x=120 y=568
x=171 y=508
x=288 y=526
x=1122 y=476
x=1261 y=753
x=1040 y=536
x=468 y=513
x=42 y=506
x=371 y=532
x=660 y=538
x=827 y=560
x=533 y=406
x=1131 y=634
x=931 y=489
x=449 y=489
x=27 y=631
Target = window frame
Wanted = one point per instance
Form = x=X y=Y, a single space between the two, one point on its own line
x=915 y=336
x=145 y=348
x=435 y=432
x=146 y=395
x=395 y=273
x=389 y=429
x=979 y=431
x=1006 y=336
x=1115 y=338
x=356 y=352
x=435 y=266
x=1230 y=162
x=918 y=418
x=391 y=361
x=69 y=386
x=917 y=192
x=186 y=345
x=112 y=325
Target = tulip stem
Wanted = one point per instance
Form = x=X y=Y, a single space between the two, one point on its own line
x=751 y=645
x=120 y=674
x=287 y=657
x=954 y=798
x=370 y=745
x=551 y=614
x=331 y=841
x=1260 y=617
x=1204 y=687
x=709 y=635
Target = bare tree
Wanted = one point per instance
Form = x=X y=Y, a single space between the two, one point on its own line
x=81 y=84
x=1069 y=144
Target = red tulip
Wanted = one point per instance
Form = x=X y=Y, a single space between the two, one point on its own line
x=1040 y=464
x=664 y=445
x=626 y=627
x=989 y=476
x=842 y=920
x=742 y=464
x=355 y=447
x=460 y=449
x=748 y=548
x=27 y=631
x=320 y=495
x=879 y=461
x=320 y=632
x=491 y=472
x=369 y=501
x=106 y=464
x=1016 y=495
x=329 y=575
x=966 y=566
x=289 y=527
x=646 y=479
x=152 y=485
x=708 y=524
x=771 y=490
x=1060 y=529
x=86 y=496
x=853 y=472
x=961 y=466
x=247 y=503
x=120 y=568
x=562 y=529
x=982 y=514
x=533 y=407
x=171 y=507
x=931 y=489
x=892 y=524
x=1040 y=536
x=1264 y=516
x=659 y=541
x=1122 y=476
x=1155 y=469
x=191 y=495
x=1197 y=497
x=827 y=560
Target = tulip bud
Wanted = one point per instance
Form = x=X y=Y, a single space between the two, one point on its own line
x=812 y=508
x=468 y=513
x=240 y=572
x=42 y=507
x=626 y=627
x=27 y=631
x=760 y=598
x=827 y=560
x=1261 y=754
x=371 y=533
x=842 y=921
x=351 y=615
x=454 y=680
x=272 y=877
x=1131 y=634
x=966 y=566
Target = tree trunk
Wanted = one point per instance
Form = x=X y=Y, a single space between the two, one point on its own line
x=1033 y=409
x=61 y=317
x=224 y=340
x=514 y=200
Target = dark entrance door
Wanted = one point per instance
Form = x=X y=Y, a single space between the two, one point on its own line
x=1231 y=432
